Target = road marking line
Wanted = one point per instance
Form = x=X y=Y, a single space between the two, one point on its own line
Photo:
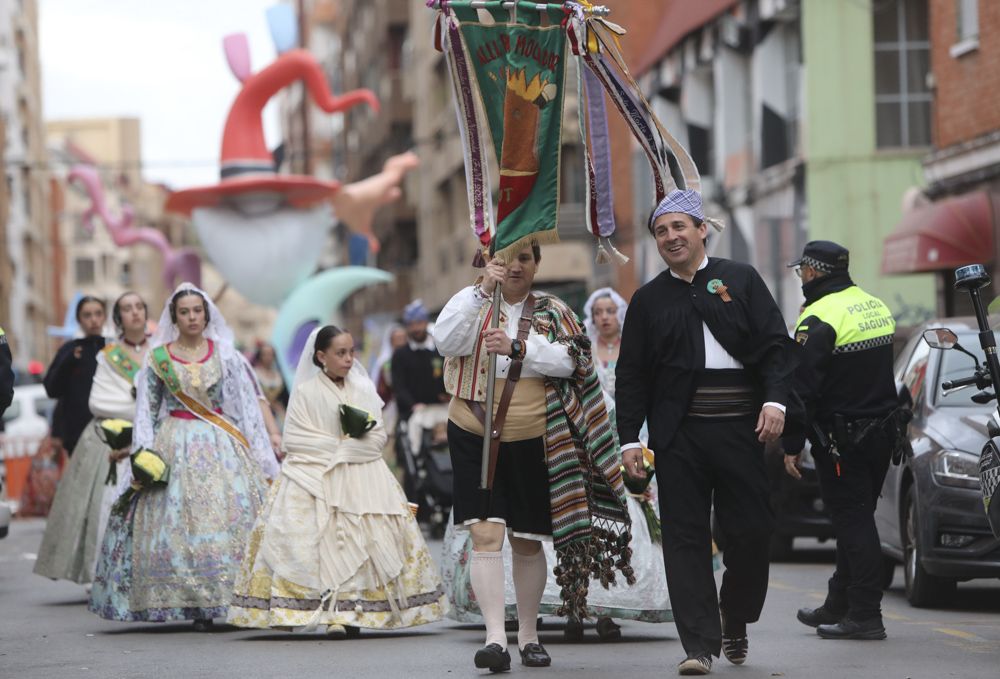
x=895 y=616
x=968 y=636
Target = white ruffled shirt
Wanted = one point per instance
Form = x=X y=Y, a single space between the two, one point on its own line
x=456 y=333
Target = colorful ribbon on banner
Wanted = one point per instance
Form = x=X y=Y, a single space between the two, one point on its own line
x=596 y=44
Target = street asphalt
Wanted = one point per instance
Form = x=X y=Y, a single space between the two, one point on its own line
x=47 y=633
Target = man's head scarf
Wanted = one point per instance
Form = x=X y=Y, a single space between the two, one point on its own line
x=686 y=201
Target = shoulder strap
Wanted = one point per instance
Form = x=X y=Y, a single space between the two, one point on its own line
x=513 y=375
x=120 y=361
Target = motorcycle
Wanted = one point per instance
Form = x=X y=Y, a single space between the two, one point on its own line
x=973 y=279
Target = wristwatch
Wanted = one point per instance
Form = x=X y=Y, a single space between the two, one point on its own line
x=517 y=350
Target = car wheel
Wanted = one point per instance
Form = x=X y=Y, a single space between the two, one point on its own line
x=781 y=547
x=888 y=572
x=922 y=588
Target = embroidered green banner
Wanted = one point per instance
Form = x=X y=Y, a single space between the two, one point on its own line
x=517 y=69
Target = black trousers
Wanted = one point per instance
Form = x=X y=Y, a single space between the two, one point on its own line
x=720 y=460
x=856 y=585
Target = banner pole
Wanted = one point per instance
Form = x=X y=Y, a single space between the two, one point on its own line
x=491 y=382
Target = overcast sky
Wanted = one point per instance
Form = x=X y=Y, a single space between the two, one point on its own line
x=159 y=61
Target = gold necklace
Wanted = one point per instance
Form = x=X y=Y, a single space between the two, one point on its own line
x=193 y=367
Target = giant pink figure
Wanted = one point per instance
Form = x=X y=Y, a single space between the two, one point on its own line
x=181 y=264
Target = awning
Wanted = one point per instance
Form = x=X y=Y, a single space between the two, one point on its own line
x=944 y=235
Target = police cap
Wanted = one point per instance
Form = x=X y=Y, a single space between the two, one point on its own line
x=823 y=255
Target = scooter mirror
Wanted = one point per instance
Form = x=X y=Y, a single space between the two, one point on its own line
x=940 y=338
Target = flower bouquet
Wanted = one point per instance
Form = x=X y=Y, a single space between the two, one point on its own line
x=118 y=435
x=638 y=487
x=355 y=422
x=148 y=470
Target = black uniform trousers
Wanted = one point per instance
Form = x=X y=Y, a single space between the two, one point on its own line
x=856 y=585
x=720 y=459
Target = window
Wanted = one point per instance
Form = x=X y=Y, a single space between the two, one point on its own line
x=967 y=28
x=84 y=271
x=902 y=62
x=968 y=19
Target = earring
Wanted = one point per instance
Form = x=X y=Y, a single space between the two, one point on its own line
x=324 y=369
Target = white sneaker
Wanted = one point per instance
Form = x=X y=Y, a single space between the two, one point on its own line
x=695 y=666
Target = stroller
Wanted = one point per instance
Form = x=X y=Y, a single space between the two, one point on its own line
x=422 y=451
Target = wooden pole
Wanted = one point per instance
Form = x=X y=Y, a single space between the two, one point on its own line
x=491 y=383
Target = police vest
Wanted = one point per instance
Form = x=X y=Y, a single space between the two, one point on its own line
x=860 y=321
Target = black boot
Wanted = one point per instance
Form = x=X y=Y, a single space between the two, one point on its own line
x=608 y=629
x=814 y=617
x=853 y=629
x=494 y=658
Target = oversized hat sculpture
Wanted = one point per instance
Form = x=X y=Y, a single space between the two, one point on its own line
x=263 y=230
x=247 y=166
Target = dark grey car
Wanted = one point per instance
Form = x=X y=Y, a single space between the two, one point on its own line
x=931 y=516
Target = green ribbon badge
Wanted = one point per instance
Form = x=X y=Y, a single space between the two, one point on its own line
x=714 y=285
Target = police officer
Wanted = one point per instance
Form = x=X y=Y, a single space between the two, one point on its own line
x=845 y=381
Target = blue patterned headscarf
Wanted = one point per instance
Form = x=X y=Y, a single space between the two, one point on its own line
x=687 y=201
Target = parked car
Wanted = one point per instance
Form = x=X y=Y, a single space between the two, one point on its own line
x=931 y=517
x=799 y=511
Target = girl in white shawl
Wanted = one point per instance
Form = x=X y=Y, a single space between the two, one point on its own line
x=174 y=555
x=337 y=544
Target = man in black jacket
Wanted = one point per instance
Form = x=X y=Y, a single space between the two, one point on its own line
x=707 y=362
x=417 y=367
x=846 y=384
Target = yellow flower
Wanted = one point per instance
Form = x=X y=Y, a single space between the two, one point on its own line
x=647 y=456
x=115 y=426
x=149 y=467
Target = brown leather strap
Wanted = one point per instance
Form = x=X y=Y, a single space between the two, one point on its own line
x=513 y=375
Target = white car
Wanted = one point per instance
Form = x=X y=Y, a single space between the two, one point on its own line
x=26 y=423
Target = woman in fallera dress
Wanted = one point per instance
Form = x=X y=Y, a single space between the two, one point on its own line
x=75 y=526
x=173 y=554
x=337 y=545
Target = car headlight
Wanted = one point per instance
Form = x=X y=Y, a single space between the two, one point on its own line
x=956 y=468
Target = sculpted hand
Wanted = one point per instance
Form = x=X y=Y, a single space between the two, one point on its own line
x=497 y=342
x=496 y=272
x=770 y=424
x=792 y=466
x=632 y=461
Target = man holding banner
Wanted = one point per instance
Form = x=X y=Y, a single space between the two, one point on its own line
x=553 y=466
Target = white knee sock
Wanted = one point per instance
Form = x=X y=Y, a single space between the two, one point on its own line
x=486 y=574
x=529 y=585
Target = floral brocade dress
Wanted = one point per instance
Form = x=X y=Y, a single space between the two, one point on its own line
x=175 y=554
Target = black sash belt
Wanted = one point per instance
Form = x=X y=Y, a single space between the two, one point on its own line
x=722 y=394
